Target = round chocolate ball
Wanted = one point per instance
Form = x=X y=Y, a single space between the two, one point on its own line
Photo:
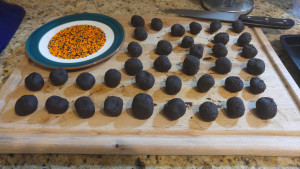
x=162 y=64
x=177 y=30
x=56 y=105
x=134 y=49
x=142 y=106
x=144 y=80
x=174 y=109
x=133 y=66
x=163 y=47
x=140 y=33
x=85 y=107
x=156 y=24
x=112 y=78
x=255 y=66
x=197 y=50
x=223 y=65
x=85 y=81
x=219 y=50
x=237 y=26
x=208 y=111
x=215 y=25
x=137 y=20
x=266 y=108
x=244 y=39
x=26 y=105
x=257 y=85
x=235 y=107
x=173 y=84
x=249 y=51
x=191 y=65
x=221 y=37
x=58 y=76
x=113 y=106
x=187 y=42
x=233 y=84
x=205 y=83
x=34 y=81
x=195 y=28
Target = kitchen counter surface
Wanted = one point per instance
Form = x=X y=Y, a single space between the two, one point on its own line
x=41 y=12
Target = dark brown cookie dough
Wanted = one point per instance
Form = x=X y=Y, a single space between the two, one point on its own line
x=257 y=85
x=142 y=106
x=244 y=39
x=137 y=20
x=214 y=26
x=162 y=64
x=219 y=50
x=163 y=47
x=235 y=107
x=237 y=26
x=34 y=81
x=177 y=30
x=173 y=84
x=205 y=83
x=56 y=105
x=249 y=51
x=85 y=107
x=112 y=78
x=195 y=28
x=208 y=111
x=134 y=49
x=58 y=76
x=26 y=105
x=133 y=66
x=197 y=50
x=223 y=65
x=174 y=109
x=221 y=37
x=144 y=80
x=85 y=81
x=191 y=65
x=140 y=33
x=233 y=84
x=255 y=66
x=187 y=42
x=113 y=106
x=156 y=24
x=266 y=108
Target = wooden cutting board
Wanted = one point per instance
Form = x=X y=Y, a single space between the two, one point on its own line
x=41 y=132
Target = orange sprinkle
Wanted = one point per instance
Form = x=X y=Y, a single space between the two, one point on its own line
x=78 y=41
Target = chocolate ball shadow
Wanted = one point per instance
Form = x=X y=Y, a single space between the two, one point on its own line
x=254 y=121
x=247 y=95
x=167 y=36
x=74 y=91
x=161 y=95
x=193 y=93
x=70 y=118
x=42 y=116
x=161 y=121
x=226 y=94
x=224 y=121
x=195 y=123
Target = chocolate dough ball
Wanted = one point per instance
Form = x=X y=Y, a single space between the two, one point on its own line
x=144 y=80
x=191 y=65
x=233 y=84
x=255 y=66
x=113 y=106
x=137 y=20
x=215 y=25
x=219 y=50
x=112 y=78
x=56 y=105
x=187 y=42
x=237 y=26
x=85 y=81
x=197 y=50
x=221 y=37
x=134 y=49
x=34 y=82
x=58 y=76
x=244 y=39
x=249 y=51
x=266 y=108
x=205 y=83
x=223 y=65
x=257 y=85
x=163 y=47
x=26 y=105
x=85 y=107
x=174 y=109
x=177 y=30
x=133 y=66
x=195 y=28
x=235 y=107
x=142 y=106
x=140 y=33
x=156 y=24
x=173 y=84
x=162 y=64
x=208 y=111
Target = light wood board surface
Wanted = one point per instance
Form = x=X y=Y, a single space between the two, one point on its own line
x=41 y=132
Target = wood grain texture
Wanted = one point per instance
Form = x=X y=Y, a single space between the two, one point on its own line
x=67 y=133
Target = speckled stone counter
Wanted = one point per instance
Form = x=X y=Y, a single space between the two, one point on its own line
x=41 y=12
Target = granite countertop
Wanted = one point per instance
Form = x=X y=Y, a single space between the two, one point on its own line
x=40 y=12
